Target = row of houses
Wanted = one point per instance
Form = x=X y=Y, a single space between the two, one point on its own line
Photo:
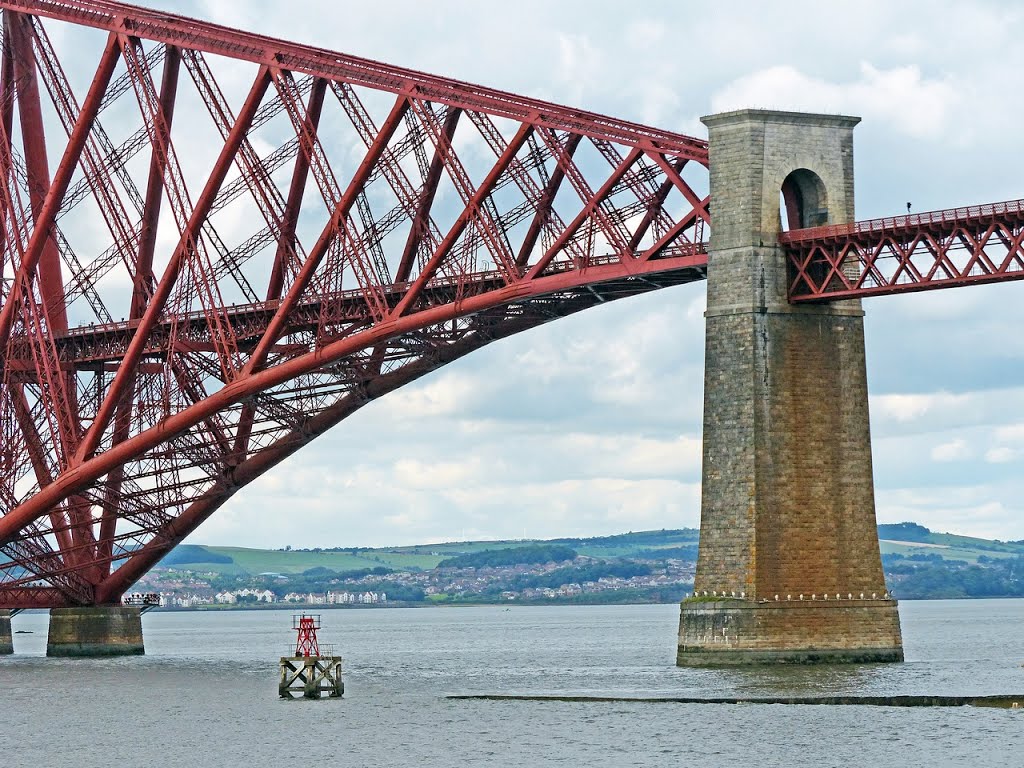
x=603 y=584
x=310 y=598
x=336 y=598
x=231 y=597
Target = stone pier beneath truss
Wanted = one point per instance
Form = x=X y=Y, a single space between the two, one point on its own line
x=6 y=639
x=789 y=567
x=95 y=631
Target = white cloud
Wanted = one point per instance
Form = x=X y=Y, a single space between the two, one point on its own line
x=1001 y=455
x=911 y=407
x=579 y=64
x=1009 y=444
x=447 y=395
x=974 y=510
x=592 y=424
x=954 y=450
x=1011 y=433
x=442 y=475
x=900 y=96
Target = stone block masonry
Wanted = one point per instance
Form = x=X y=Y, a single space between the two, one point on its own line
x=95 y=631
x=739 y=632
x=6 y=639
x=788 y=498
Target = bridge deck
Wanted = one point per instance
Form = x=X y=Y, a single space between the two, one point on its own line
x=899 y=254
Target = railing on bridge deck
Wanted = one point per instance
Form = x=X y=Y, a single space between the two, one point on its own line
x=898 y=254
x=147 y=601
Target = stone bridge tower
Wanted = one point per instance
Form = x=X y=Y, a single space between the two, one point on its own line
x=789 y=559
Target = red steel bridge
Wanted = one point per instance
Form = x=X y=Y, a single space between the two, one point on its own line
x=215 y=246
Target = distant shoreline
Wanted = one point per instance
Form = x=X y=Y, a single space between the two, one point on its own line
x=511 y=604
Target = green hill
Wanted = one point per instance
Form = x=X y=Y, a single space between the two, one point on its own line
x=910 y=539
x=241 y=560
x=903 y=539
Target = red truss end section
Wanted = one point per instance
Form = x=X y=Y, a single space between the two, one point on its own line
x=940 y=249
x=200 y=274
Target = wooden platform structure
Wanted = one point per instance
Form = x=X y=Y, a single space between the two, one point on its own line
x=313 y=670
x=311 y=677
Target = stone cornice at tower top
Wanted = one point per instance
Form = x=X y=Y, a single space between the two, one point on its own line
x=194 y=34
x=780 y=116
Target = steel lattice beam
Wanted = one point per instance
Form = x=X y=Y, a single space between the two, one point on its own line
x=119 y=438
x=900 y=254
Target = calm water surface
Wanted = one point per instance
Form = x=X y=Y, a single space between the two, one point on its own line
x=206 y=694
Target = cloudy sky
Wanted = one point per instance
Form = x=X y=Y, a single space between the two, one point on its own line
x=591 y=425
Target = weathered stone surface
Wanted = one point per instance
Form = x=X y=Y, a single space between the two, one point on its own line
x=6 y=640
x=97 y=631
x=788 y=495
x=804 y=632
x=311 y=677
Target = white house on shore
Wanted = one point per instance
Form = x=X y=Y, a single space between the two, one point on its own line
x=230 y=598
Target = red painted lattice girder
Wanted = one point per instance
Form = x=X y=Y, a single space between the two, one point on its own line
x=940 y=249
x=283 y=253
x=305 y=641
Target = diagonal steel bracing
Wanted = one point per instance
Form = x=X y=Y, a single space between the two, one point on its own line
x=941 y=249
x=285 y=253
x=281 y=255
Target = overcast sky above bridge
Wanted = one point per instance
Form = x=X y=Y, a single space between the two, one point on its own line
x=591 y=425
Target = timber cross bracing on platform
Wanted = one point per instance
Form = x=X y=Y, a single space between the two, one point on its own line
x=201 y=273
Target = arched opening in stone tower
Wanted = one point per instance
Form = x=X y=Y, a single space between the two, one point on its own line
x=803 y=201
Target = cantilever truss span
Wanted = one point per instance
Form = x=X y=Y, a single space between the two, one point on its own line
x=940 y=249
x=214 y=246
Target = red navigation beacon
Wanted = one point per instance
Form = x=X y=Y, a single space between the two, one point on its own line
x=305 y=643
x=314 y=670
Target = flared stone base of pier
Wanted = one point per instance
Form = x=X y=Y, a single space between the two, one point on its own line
x=98 y=631
x=6 y=640
x=737 y=632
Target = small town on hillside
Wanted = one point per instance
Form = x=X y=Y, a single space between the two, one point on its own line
x=196 y=588
x=652 y=566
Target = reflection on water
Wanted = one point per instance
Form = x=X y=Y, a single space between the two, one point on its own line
x=206 y=694
x=808 y=681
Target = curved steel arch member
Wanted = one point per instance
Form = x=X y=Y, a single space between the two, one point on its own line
x=280 y=255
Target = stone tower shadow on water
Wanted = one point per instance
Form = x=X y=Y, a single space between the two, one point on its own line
x=789 y=555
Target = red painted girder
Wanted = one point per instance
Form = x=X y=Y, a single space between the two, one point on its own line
x=900 y=254
x=545 y=210
x=187 y=242
x=23 y=598
x=286 y=257
x=50 y=283
x=464 y=220
x=592 y=203
x=144 y=278
x=378 y=385
x=288 y=358
x=86 y=347
x=144 y=281
x=420 y=227
x=199 y=35
x=58 y=187
x=526 y=315
x=276 y=325
x=252 y=382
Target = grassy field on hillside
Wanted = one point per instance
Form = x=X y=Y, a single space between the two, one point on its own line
x=947 y=552
x=256 y=561
x=905 y=539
